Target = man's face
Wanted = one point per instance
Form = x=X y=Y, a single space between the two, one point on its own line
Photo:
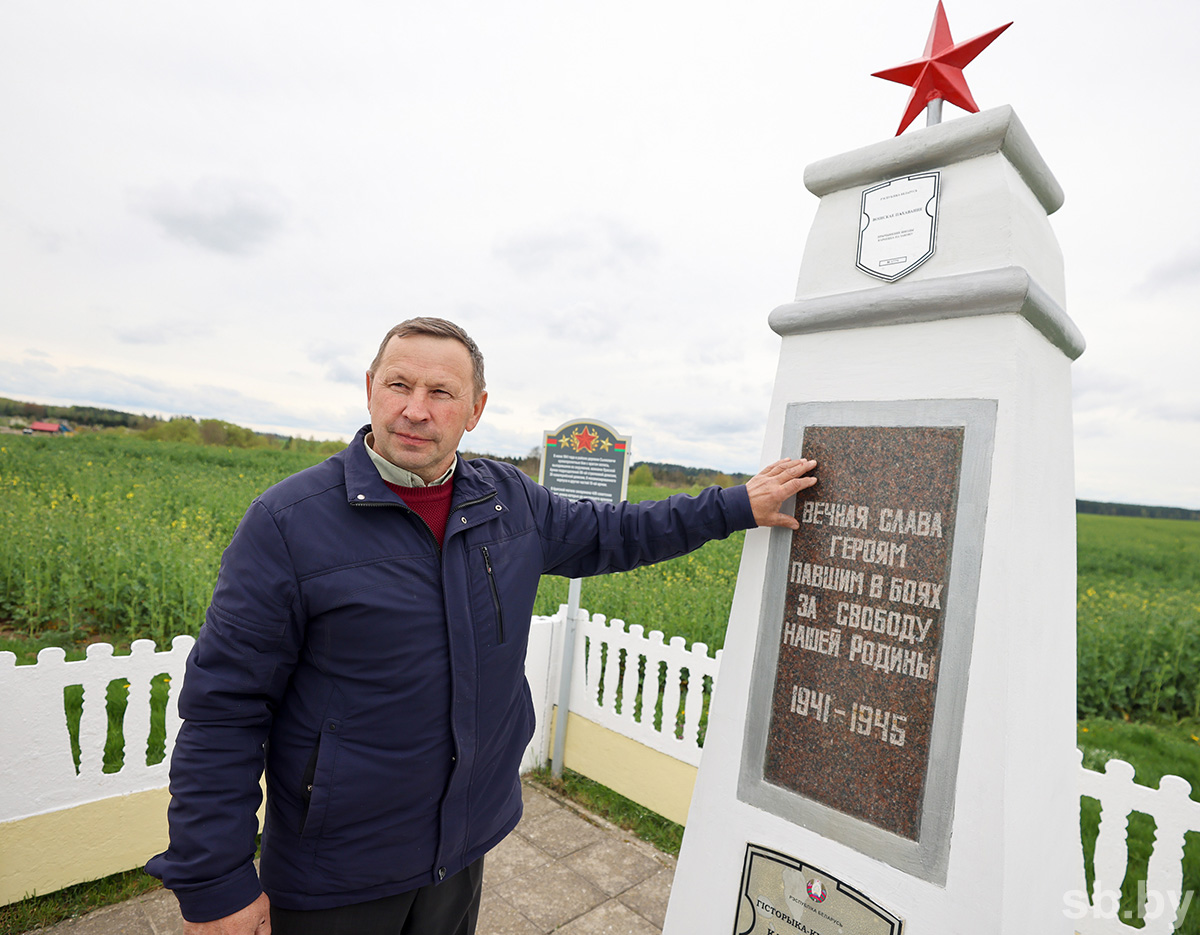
x=421 y=399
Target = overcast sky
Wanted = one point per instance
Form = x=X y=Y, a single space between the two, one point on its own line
x=218 y=209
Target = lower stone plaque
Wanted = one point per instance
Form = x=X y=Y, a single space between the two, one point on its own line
x=781 y=894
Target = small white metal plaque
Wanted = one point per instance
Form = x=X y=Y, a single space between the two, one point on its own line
x=781 y=895
x=898 y=229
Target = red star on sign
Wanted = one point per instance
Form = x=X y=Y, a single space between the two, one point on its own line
x=940 y=73
x=585 y=440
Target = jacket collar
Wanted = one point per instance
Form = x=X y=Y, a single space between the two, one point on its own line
x=471 y=483
x=363 y=483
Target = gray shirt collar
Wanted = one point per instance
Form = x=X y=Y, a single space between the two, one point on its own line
x=397 y=475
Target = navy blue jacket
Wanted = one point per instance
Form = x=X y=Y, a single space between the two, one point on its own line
x=380 y=679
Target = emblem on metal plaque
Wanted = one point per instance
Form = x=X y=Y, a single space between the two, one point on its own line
x=898 y=228
x=783 y=894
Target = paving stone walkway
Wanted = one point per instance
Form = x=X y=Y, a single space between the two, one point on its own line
x=562 y=870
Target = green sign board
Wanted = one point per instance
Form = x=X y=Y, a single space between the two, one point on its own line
x=586 y=459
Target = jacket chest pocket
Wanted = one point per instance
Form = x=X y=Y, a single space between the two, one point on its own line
x=494 y=591
x=502 y=582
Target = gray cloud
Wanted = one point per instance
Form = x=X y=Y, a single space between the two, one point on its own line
x=708 y=427
x=1097 y=427
x=162 y=333
x=223 y=215
x=1176 y=410
x=28 y=376
x=582 y=324
x=1182 y=271
x=583 y=246
x=1091 y=387
x=46 y=240
x=342 y=363
x=561 y=408
x=100 y=387
x=1098 y=391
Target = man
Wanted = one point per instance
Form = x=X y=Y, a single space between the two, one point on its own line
x=366 y=640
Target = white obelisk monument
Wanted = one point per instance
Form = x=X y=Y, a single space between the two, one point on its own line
x=890 y=747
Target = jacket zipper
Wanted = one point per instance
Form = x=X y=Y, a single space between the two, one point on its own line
x=487 y=564
x=404 y=506
x=495 y=596
x=407 y=509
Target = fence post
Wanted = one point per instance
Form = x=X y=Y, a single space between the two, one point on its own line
x=564 y=683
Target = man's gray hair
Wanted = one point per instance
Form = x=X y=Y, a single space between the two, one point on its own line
x=437 y=328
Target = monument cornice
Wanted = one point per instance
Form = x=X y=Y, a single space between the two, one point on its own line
x=1008 y=290
x=997 y=130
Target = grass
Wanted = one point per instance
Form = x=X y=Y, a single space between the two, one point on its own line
x=73 y=901
x=1159 y=554
x=651 y=827
x=119 y=535
x=689 y=596
x=1138 y=618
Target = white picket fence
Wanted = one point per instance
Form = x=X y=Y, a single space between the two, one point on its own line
x=1174 y=813
x=37 y=768
x=630 y=681
x=643 y=687
x=623 y=680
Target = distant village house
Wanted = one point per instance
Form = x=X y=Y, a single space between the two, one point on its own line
x=48 y=428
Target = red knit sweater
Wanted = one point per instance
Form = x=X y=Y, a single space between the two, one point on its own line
x=432 y=504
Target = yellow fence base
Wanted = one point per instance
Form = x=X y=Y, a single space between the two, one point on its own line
x=44 y=853
x=661 y=783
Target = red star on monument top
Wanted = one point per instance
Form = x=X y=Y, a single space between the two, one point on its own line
x=585 y=440
x=939 y=74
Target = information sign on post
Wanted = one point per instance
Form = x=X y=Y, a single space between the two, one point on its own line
x=586 y=459
x=582 y=460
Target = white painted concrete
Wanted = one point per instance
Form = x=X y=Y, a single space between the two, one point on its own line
x=1014 y=841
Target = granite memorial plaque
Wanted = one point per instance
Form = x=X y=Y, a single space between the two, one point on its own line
x=781 y=894
x=854 y=722
x=586 y=459
x=857 y=673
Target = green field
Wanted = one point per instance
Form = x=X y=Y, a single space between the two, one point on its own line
x=1139 y=617
x=121 y=538
x=118 y=537
x=104 y=537
x=1139 y=671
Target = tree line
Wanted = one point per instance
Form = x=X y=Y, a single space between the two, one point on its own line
x=1133 y=509
x=217 y=432
x=187 y=429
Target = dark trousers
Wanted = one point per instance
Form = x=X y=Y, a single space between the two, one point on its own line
x=447 y=908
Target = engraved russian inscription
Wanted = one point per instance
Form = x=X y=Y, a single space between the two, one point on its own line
x=857 y=673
